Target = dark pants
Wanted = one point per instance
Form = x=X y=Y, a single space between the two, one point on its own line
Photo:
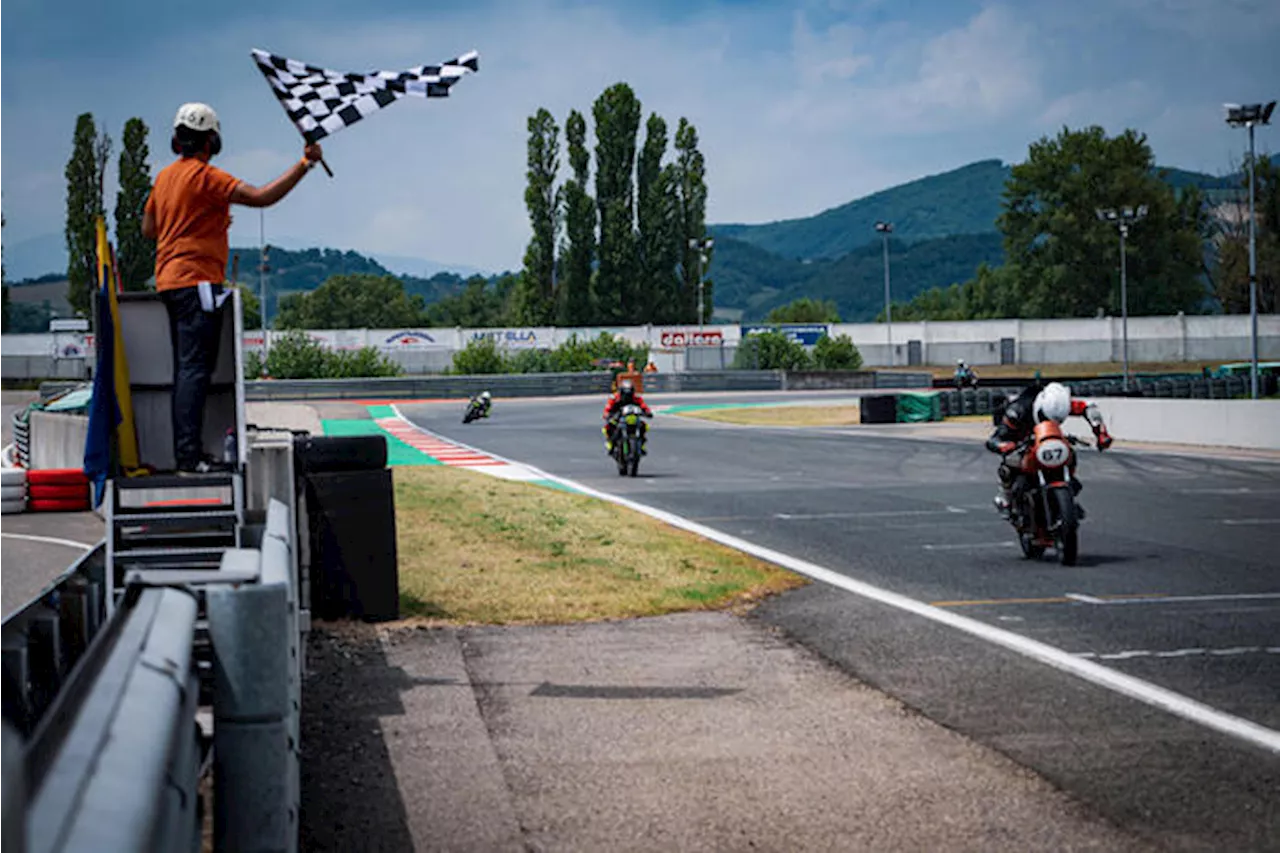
x=194 y=333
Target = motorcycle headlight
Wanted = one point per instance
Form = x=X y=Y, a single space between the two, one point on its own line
x=631 y=420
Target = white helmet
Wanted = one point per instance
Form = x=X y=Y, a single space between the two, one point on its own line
x=484 y=395
x=196 y=116
x=1053 y=403
x=960 y=362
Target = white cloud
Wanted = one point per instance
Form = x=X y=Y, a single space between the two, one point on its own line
x=796 y=112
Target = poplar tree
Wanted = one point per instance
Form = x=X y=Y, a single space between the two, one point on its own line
x=135 y=254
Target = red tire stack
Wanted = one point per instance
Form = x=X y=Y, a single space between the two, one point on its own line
x=57 y=490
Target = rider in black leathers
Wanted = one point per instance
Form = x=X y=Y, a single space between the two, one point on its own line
x=1021 y=414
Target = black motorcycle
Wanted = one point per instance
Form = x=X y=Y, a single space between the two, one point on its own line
x=476 y=409
x=627 y=439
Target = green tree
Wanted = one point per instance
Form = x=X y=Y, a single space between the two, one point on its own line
x=990 y=294
x=536 y=297
x=771 y=350
x=4 y=288
x=480 y=356
x=805 y=310
x=617 y=116
x=84 y=174
x=135 y=254
x=479 y=303
x=838 y=353
x=579 y=251
x=1067 y=261
x=1231 y=267
x=657 y=250
x=360 y=301
x=251 y=308
x=689 y=176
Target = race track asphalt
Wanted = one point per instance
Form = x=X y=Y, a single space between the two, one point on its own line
x=1178 y=584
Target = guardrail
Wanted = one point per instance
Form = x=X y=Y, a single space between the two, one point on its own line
x=565 y=384
x=102 y=750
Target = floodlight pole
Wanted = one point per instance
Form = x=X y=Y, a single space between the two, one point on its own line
x=1122 y=218
x=885 y=229
x=1253 y=277
x=1248 y=116
x=701 y=247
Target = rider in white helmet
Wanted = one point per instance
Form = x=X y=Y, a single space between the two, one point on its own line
x=188 y=214
x=1037 y=402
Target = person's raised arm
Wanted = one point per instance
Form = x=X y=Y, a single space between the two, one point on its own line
x=251 y=196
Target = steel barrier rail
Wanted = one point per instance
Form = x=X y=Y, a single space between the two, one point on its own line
x=114 y=764
x=257 y=699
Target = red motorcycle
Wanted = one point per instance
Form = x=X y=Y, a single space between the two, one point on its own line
x=1044 y=512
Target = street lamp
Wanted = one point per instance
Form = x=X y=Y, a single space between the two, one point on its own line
x=885 y=229
x=701 y=247
x=1247 y=116
x=1122 y=218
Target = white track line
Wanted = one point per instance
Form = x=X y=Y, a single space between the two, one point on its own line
x=49 y=540
x=1126 y=685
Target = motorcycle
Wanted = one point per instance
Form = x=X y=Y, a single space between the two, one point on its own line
x=475 y=411
x=626 y=440
x=965 y=378
x=1044 y=513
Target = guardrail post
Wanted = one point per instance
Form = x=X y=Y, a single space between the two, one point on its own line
x=17 y=682
x=44 y=658
x=257 y=702
x=13 y=836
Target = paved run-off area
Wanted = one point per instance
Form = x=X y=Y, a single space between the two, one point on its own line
x=1177 y=587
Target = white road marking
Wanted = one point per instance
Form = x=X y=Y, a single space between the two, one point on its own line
x=961 y=546
x=49 y=540
x=1166 y=599
x=1251 y=521
x=1111 y=679
x=1236 y=490
x=887 y=513
x=1181 y=653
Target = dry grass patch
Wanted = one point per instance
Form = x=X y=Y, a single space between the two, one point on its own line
x=474 y=549
x=781 y=415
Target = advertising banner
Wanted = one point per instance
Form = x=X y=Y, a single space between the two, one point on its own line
x=803 y=333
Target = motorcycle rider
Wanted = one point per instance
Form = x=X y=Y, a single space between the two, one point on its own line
x=625 y=396
x=1035 y=403
x=482 y=401
x=965 y=374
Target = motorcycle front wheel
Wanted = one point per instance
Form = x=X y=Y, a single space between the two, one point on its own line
x=1029 y=549
x=1067 y=536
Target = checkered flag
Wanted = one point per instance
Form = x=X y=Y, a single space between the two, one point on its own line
x=321 y=102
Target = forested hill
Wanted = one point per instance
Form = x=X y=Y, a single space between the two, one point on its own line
x=963 y=201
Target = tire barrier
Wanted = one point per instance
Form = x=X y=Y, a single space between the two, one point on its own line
x=320 y=454
x=22 y=437
x=13 y=490
x=57 y=490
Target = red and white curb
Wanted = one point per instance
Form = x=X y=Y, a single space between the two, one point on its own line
x=453 y=454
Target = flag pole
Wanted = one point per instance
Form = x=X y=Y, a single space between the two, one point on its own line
x=327 y=170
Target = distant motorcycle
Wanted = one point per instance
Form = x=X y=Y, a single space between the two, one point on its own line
x=965 y=378
x=476 y=409
x=1045 y=514
x=626 y=440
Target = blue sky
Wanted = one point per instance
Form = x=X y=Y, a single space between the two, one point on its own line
x=800 y=106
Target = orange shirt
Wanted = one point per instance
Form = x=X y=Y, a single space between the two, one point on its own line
x=191 y=204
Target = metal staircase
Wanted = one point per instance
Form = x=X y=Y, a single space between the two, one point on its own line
x=171 y=529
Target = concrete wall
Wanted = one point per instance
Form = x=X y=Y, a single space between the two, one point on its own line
x=1224 y=423
x=57 y=440
x=419 y=351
